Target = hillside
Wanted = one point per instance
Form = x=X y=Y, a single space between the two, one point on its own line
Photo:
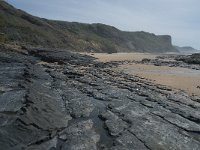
x=186 y=50
x=17 y=26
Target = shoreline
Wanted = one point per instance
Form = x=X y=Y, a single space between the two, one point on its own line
x=172 y=77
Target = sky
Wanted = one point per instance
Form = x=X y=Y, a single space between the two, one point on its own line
x=178 y=18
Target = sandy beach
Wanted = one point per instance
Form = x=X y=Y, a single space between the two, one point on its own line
x=104 y=57
x=173 y=77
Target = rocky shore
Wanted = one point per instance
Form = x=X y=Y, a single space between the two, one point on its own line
x=58 y=100
x=183 y=61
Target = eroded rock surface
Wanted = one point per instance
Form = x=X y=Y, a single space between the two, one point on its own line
x=57 y=100
x=184 y=61
x=190 y=59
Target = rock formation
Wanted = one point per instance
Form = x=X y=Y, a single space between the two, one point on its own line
x=57 y=100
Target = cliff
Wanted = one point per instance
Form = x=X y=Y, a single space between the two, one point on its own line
x=19 y=27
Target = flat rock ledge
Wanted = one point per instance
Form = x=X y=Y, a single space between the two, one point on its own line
x=58 y=100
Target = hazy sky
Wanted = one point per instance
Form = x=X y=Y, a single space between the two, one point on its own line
x=178 y=18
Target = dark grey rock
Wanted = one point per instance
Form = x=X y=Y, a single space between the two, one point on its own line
x=80 y=107
x=116 y=127
x=71 y=102
x=190 y=59
x=128 y=141
x=81 y=136
x=12 y=101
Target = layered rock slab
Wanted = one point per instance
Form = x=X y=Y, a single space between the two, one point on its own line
x=58 y=100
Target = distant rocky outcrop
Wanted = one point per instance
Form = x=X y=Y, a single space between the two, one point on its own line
x=190 y=59
x=17 y=26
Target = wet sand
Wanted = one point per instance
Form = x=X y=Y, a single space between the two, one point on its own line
x=173 y=77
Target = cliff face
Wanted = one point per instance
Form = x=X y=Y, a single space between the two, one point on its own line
x=17 y=26
x=146 y=42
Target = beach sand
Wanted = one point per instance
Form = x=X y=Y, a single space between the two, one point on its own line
x=173 y=77
x=104 y=57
